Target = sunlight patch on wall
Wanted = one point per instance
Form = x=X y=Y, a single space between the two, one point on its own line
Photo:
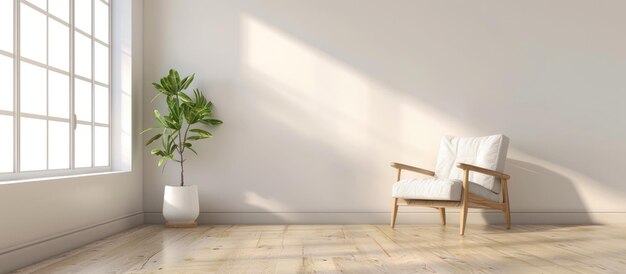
x=319 y=86
x=326 y=100
x=265 y=204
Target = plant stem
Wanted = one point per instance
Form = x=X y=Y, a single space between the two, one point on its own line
x=182 y=167
x=182 y=170
x=180 y=151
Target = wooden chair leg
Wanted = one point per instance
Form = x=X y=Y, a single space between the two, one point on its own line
x=464 y=202
x=463 y=218
x=442 y=214
x=507 y=207
x=394 y=212
x=507 y=216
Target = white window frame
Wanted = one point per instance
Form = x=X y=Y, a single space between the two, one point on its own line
x=17 y=174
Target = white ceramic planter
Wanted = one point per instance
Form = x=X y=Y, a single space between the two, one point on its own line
x=180 y=205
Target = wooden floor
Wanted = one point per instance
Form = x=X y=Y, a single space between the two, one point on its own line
x=351 y=249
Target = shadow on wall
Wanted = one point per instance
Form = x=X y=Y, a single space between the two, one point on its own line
x=530 y=184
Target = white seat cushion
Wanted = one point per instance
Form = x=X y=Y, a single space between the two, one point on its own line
x=438 y=189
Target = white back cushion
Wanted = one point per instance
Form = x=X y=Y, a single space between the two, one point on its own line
x=486 y=152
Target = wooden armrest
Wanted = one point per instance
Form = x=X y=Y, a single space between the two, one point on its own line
x=412 y=168
x=483 y=171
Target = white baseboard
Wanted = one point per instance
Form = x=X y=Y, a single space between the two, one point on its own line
x=403 y=218
x=25 y=254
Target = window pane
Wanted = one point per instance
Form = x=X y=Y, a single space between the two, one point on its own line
x=32 y=144
x=6 y=83
x=82 y=15
x=82 y=54
x=101 y=26
x=101 y=65
x=101 y=146
x=101 y=101
x=82 y=146
x=60 y=8
x=82 y=100
x=58 y=145
x=58 y=45
x=6 y=25
x=33 y=34
x=6 y=144
x=58 y=94
x=39 y=3
x=32 y=89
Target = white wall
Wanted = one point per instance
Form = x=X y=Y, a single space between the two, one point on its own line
x=319 y=96
x=42 y=218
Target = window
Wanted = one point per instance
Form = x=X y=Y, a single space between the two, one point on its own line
x=55 y=71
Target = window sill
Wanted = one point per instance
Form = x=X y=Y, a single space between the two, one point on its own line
x=62 y=177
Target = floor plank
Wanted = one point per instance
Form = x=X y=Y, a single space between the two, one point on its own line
x=349 y=249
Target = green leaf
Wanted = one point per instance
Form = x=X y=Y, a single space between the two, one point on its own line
x=200 y=99
x=167 y=88
x=157 y=151
x=171 y=123
x=154 y=138
x=211 y=122
x=161 y=161
x=191 y=117
x=187 y=81
x=176 y=75
x=159 y=118
x=196 y=137
x=148 y=129
x=157 y=86
x=188 y=145
x=201 y=132
x=172 y=79
x=184 y=97
x=160 y=88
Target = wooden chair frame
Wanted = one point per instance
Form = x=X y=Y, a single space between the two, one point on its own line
x=468 y=200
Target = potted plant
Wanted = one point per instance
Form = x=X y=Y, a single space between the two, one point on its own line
x=176 y=131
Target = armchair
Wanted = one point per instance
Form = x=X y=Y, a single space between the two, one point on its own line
x=468 y=175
